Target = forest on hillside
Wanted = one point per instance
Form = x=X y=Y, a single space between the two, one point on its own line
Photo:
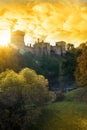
x=28 y=82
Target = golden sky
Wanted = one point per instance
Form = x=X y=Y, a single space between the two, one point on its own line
x=52 y=20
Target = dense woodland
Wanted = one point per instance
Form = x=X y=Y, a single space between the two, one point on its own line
x=27 y=83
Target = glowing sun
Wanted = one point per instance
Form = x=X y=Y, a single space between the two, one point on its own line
x=4 y=37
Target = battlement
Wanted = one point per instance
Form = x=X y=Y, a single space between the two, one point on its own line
x=40 y=48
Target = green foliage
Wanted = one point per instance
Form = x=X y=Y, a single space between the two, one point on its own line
x=58 y=70
x=47 y=66
x=77 y=95
x=21 y=97
x=64 y=116
x=67 y=68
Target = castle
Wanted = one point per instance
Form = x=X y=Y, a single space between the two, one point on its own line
x=40 y=48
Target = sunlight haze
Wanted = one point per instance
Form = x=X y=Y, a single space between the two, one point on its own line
x=51 y=20
x=4 y=37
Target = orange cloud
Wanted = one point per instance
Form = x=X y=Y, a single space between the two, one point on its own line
x=52 y=20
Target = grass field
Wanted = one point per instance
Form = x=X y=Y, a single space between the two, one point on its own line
x=77 y=95
x=64 y=116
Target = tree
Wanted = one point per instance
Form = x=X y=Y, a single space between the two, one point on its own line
x=67 y=68
x=46 y=65
x=70 y=46
x=22 y=96
x=9 y=59
x=81 y=70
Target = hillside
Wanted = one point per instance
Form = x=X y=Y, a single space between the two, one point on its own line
x=64 y=116
x=70 y=114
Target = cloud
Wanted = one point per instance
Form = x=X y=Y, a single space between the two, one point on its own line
x=3 y=11
x=50 y=20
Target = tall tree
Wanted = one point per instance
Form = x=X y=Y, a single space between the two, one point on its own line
x=81 y=70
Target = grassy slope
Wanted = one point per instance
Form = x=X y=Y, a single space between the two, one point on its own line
x=64 y=116
x=79 y=95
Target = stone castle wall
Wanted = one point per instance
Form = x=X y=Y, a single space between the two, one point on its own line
x=40 y=48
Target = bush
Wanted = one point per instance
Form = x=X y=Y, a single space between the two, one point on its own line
x=59 y=96
x=22 y=95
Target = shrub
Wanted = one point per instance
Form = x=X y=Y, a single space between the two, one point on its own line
x=22 y=95
x=59 y=96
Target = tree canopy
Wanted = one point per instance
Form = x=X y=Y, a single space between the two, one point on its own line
x=21 y=97
x=81 y=70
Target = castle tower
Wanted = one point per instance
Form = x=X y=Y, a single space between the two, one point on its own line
x=17 y=38
x=42 y=48
x=61 y=47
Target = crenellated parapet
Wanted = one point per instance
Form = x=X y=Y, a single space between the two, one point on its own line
x=40 y=48
x=44 y=48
